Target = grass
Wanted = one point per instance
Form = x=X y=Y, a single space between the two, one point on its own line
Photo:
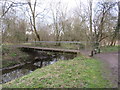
x=12 y=56
x=7 y=63
x=80 y=72
x=110 y=48
x=62 y=45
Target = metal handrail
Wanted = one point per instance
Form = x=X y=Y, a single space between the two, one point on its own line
x=55 y=42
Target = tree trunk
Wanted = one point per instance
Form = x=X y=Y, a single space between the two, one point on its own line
x=116 y=33
x=33 y=21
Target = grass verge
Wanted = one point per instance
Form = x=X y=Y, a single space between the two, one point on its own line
x=80 y=72
x=110 y=48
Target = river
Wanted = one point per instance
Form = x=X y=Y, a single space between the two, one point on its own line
x=38 y=59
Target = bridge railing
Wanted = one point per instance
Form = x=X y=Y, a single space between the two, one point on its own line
x=76 y=45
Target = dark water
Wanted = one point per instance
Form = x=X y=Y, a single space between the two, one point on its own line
x=38 y=59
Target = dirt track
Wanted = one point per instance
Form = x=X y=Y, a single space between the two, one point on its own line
x=109 y=66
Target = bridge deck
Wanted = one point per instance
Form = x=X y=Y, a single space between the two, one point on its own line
x=51 y=49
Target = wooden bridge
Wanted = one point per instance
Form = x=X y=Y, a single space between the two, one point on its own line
x=33 y=46
x=49 y=49
x=37 y=45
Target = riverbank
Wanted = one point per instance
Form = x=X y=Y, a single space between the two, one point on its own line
x=12 y=56
x=80 y=72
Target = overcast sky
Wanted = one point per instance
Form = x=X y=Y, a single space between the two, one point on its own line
x=71 y=4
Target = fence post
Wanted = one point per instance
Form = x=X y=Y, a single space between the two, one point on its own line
x=92 y=53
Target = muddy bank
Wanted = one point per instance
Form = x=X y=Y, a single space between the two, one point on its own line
x=34 y=56
x=12 y=56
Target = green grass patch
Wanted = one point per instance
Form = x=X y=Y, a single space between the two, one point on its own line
x=80 y=72
x=12 y=56
x=110 y=48
x=8 y=63
x=68 y=46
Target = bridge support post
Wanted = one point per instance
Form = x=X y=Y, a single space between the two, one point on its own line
x=78 y=53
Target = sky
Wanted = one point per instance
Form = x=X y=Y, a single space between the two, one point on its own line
x=71 y=4
x=45 y=4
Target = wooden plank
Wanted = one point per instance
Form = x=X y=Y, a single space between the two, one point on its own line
x=52 y=49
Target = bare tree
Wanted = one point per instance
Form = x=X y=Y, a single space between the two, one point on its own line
x=99 y=20
x=116 y=32
x=4 y=9
x=56 y=23
x=90 y=17
x=33 y=18
x=7 y=5
x=14 y=30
